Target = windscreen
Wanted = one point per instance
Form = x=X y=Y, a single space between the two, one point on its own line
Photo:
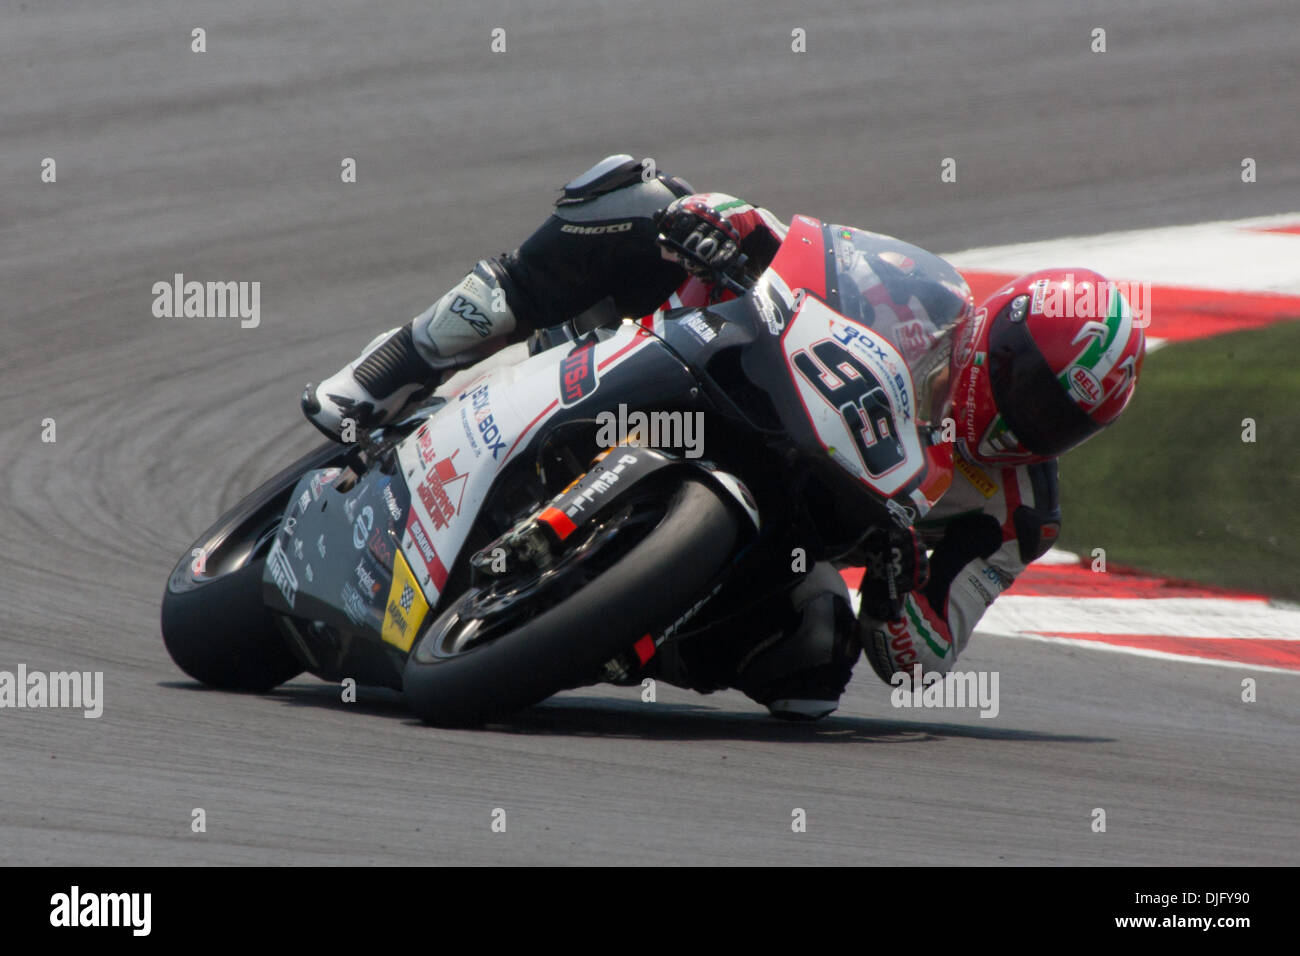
x=908 y=296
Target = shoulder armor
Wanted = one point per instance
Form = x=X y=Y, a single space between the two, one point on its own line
x=612 y=172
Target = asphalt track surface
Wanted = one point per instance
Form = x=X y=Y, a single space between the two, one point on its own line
x=225 y=165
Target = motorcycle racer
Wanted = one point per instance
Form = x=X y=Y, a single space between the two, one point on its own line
x=1030 y=381
x=596 y=257
x=1021 y=387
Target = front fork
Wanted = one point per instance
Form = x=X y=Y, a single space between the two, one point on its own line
x=540 y=538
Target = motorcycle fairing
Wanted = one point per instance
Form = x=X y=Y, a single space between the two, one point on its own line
x=857 y=393
x=617 y=471
x=452 y=461
x=402 y=533
x=835 y=386
x=335 y=556
x=854 y=387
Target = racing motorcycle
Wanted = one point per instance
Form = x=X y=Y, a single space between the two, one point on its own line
x=497 y=545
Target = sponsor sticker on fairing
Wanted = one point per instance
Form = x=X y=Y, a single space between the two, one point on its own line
x=406 y=607
x=277 y=562
x=354 y=606
x=425 y=553
x=362 y=526
x=877 y=351
x=390 y=502
x=365 y=579
x=774 y=301
x=442 y=482
x=424 y=442
x=856 y=391
x=596 y=483
x=578 y=373
x=322 y=480
x=380 y=544
x=699 y=328
x=489 y=431
x=470 y=437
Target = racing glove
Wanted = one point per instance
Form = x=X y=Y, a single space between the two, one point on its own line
x=693 y=234
x=896 y=563
x=920 y=636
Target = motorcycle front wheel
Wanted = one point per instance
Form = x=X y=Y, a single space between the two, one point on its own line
x=516 y=642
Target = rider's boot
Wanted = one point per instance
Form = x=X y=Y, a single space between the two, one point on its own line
x=406 y=362
x=800 y=673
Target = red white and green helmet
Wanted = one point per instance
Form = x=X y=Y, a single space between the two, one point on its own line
x=1042 y=366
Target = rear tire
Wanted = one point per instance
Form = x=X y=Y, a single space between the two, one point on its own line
x=643 y=592
x=223 y=635
x=214 y=624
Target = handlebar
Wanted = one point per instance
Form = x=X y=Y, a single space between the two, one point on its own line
x=729 y=279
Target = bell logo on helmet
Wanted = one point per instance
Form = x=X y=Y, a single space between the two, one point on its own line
x=1085 y=385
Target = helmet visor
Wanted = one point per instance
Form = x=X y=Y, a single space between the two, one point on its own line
x=1030 y=398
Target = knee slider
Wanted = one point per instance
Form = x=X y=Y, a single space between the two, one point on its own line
x=818 y=640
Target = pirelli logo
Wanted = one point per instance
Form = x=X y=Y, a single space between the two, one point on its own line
x=982 y=482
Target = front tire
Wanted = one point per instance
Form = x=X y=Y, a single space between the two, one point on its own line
x=641 y=593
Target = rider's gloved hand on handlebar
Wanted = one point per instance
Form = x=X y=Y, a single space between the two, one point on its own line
x=896 y=563
x=695 y=235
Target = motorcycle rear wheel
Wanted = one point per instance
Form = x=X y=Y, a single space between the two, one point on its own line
x=214 y=623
